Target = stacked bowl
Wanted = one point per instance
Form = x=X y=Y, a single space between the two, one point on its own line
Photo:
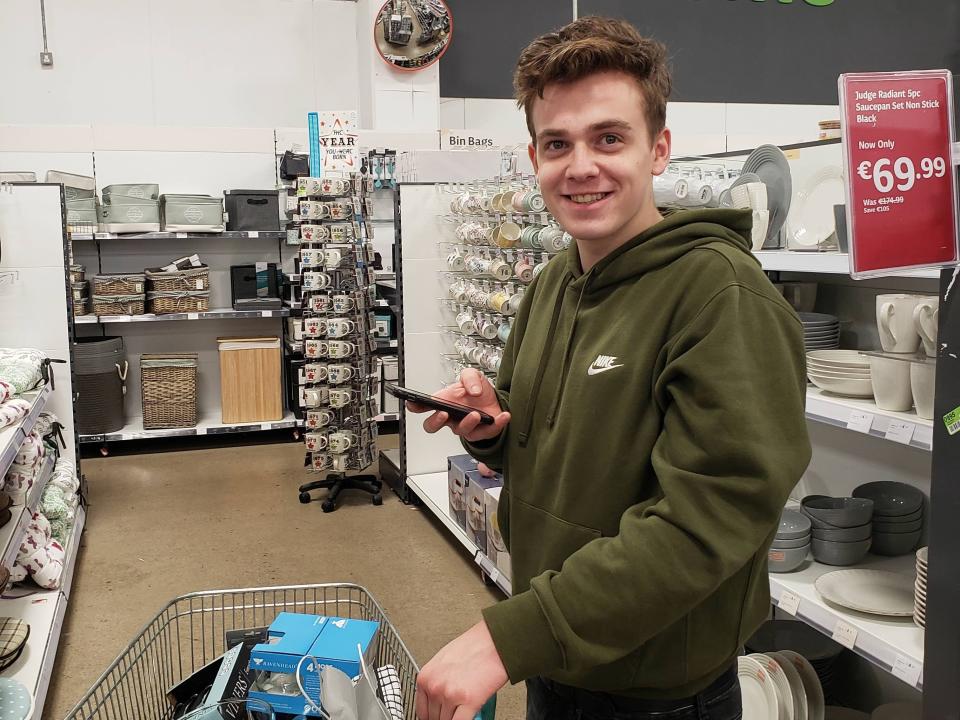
x=820 y=331
x=842 y=372
x=897 y=516
x=792 y=543
x=920 y=589
x=841 y=528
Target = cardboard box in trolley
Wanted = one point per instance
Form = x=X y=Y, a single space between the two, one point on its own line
x=476 y=502
x=457 y=468
x=496 y=549
x=224 y=679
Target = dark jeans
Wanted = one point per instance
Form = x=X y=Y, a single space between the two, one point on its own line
x=547 y=700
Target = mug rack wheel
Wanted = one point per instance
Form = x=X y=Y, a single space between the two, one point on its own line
x=304 y=498
x=328 y=506
x=378 y=499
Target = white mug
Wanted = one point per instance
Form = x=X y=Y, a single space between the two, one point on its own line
x=340 y=327
x=315 y=372
x=340 y=398
x=314 y=327
x=339 y=373
x=487 y=328
x=891 y=383
x=311 y=257
x=926 y=316
x=341 y=231
x=312 y=210
x=456 y=261
x=320 y=303
x=316 y=348
x=342 y=303
x=308 y=186
x=315 y=441
x=320 y=461
x=339 y=349
x=315 y=280
x=923 y=382
x=340 y=209
x=334 y=186
x=339 y=463
x=342 y=441
x=332 y=258
x=319 y=418
x=313 y=233
x=316 y=396
x=895 y=322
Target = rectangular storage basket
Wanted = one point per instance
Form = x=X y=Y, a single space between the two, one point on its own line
x=178 y=301
x=192 y=213
x=168 y=386
x=190 y=280
x=143 y=191
x=118 y=304
x=119 y=284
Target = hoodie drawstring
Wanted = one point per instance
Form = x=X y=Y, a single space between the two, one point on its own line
x=544 y=358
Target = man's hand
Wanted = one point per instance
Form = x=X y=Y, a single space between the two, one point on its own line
x=460 y=678
x=474 y=390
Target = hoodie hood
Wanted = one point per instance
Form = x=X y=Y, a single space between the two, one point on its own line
x=678 y=233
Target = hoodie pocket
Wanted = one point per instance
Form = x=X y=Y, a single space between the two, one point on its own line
x=546 y=539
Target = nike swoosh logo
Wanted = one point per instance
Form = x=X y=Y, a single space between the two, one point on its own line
x=596 y=371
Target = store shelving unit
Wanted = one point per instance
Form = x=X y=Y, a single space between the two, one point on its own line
x=12 y=436
x=431 y=488
x=864 y=416
x=829 y=263
x=227 y=235
x=220 y=314
x=208 y=424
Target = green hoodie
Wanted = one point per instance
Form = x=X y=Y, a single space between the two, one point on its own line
x=657 y=429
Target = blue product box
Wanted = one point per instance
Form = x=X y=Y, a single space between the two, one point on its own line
x=457 y=468
x=337 y=644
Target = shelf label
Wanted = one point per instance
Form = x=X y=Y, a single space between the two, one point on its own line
x=253 y=234
x=789 y=602
x=907 y=670
x=495 y=575
x=860 y=421
x=900 y=431
x=845 y=634
x=193 y=316
x=266 y=313
x=201 y=431
x=266 y=426
x=181 y=235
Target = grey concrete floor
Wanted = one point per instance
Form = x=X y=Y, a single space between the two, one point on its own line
x=168 y=523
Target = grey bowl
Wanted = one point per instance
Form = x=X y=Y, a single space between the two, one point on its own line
x=895 y=544
x=793 y=525
x=782 y=560
x=844 y=512
x=898 y=519
x=839 y=553
x=854 y=534
x=891 y=498
x=897 y=528
x=782 y=544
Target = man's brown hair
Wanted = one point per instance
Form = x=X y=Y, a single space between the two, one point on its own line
x=590 y=45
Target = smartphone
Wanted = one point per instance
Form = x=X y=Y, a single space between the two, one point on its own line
x=454 y=410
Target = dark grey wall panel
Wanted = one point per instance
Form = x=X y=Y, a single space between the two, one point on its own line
x=488 y=36
x=722 y=50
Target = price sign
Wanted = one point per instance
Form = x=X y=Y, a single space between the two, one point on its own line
x=860 y=421
x=845 y=634
x=789 y=602
x=907 y=670
x=901 y=195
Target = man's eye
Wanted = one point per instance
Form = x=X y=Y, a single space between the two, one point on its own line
x=610 y=139
x=555 y=145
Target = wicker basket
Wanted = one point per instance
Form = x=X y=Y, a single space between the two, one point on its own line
x=81 y=307
x=127 y=284
x=168 y=386
x=118 y=304
x=191 y=280
x=164 y=303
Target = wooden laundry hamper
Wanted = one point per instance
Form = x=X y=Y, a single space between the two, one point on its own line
x=251 y=384
x=168 y=386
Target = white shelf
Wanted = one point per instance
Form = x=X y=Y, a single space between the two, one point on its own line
x=12 y=436
x=822 y=262
x=431 y=488
x=880 y=640
x=209 y=424
x=223 y=314
x=229 y=234
x=46 y=472
x=834 y=410
x=73 y=550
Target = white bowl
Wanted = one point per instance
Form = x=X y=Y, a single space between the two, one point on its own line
x=839 y=374
x=839 y=356
x=851 y=387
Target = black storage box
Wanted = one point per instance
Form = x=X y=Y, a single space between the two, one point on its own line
x=252 y=210
x=294 y=165
x=243 y=288
x=100 y=366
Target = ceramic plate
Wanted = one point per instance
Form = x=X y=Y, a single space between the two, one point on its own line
x=811 y=683
x=877 y=592
x=800 y=711
x=811 y=222
x=757 y=690
x=812 y=317
x=785 y=710
x=771 y=165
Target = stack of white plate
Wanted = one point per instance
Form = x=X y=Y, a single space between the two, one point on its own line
x=842 y=372
x=820 y=331
x=920 y=589
x=779 y=686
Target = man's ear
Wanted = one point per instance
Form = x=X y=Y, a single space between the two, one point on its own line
x=532 y=151
x=661 y=151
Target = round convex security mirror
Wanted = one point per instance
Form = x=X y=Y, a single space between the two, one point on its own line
x=413 y=34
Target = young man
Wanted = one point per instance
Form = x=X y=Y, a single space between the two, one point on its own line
x=649 y=420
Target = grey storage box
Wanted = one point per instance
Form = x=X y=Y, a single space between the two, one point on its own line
x=252 y=210
x=15 y=176
x=141 y=191
x=75 y=187
x=82 y=212
x=192 y=213
x=143 y=216
x=100 y=365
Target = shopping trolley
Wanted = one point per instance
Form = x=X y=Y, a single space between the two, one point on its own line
x=190 y=633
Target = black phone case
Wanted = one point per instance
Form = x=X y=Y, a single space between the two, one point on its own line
x=455 y=410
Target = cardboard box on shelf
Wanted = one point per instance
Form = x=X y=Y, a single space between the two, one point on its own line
x=496 y=549
x=457 y=468
x=477 y=486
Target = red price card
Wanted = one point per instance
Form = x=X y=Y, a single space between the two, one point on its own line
x=901 y=194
